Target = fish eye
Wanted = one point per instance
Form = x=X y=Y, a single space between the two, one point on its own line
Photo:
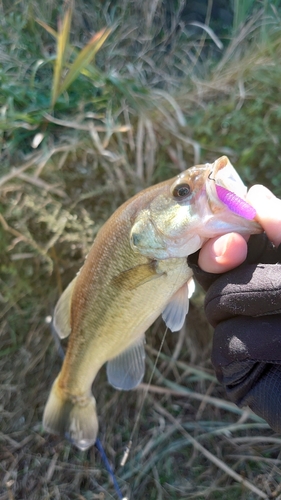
x=181 y=191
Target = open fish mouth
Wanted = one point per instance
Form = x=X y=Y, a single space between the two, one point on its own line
x=224 y=184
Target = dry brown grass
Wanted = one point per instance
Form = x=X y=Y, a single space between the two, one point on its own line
x=189 y=442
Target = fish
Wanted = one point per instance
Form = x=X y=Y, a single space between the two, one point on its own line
x=135 y=271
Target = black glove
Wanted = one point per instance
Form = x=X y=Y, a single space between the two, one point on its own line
x=244 y=306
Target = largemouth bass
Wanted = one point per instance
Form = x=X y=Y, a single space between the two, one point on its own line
x=135 y=271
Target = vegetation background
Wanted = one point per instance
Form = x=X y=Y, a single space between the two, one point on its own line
x=98 y=100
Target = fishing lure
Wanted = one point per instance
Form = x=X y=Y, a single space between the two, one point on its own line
x=235 y=203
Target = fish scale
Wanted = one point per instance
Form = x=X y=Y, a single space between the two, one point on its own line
x=136 y=270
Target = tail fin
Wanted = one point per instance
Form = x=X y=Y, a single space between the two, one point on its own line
x=76 y=420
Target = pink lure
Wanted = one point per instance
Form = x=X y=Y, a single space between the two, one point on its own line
x=235 y=204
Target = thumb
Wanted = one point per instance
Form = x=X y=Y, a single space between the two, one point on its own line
x=268 y=209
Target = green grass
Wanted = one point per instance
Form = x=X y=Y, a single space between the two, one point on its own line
x=158 y=97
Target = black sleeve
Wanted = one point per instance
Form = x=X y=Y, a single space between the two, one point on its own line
x=244 y=306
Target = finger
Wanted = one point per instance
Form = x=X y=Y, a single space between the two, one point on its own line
x=268 y=209
x=221 y=254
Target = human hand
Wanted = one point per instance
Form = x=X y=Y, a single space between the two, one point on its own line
x=221 y=254
x=244 y=306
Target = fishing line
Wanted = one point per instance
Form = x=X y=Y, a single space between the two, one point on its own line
x=104 y=458
x=98 y=444
x=130 y=442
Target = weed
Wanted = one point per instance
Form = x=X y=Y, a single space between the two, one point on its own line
x=79 y=135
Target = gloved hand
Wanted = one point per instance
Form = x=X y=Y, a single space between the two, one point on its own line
x=244 y=306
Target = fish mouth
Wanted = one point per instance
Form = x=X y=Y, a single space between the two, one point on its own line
x=223 y=174
x=224 y=187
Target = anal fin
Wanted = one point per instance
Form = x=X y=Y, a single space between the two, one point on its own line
x=126 y=371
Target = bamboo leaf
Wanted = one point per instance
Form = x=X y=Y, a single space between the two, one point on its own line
x=84 y=57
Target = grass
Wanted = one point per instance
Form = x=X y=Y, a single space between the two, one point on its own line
x=77 y=140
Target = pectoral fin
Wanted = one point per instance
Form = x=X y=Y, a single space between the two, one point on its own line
x=137 y=276
x=126 y=371
x=62 y=311
x=177 y=308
